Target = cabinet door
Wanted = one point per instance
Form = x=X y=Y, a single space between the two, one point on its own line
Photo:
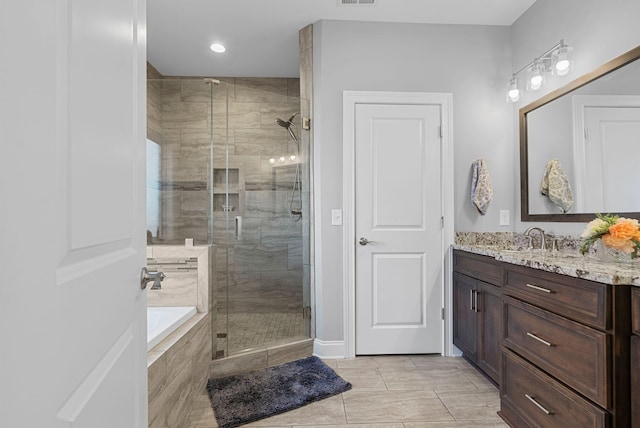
x=635 y=381
x=465 y=327
x=489 y=309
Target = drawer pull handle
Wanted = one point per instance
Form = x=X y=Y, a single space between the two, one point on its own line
x=540 y=406
x=539 y=339
x=535 y=287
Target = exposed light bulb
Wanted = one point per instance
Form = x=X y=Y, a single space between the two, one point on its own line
x=272 y=160
x=536 y=81
x=562 y=59
x=536 y=76
x=281 y=158
x=292 y=157
x=513 y=93
x=562 y=67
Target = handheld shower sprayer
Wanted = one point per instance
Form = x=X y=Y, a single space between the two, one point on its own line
x=295 y=212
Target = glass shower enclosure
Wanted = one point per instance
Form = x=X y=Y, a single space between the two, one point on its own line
x=230 y=171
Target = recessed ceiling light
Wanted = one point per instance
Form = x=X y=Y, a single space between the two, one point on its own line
x=218 y=48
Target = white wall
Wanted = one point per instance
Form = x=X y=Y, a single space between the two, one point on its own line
x=471 y=62
x=598 y=31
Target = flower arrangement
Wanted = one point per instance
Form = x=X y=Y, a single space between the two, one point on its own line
x=619 y=233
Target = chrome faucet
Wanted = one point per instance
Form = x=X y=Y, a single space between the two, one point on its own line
x=543 y=239
x=157 y=281
x=155 y=277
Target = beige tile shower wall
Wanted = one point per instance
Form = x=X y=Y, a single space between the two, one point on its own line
x=154 y=104
x=178 y=368
x=265 y=265
x=306 y=110
x=185 y=142
x=270 y=253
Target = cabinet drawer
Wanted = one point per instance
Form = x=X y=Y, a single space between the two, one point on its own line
x=574 y=298
x=529 y=396
x=575 y=354
x=483 y=268
x=635 y=310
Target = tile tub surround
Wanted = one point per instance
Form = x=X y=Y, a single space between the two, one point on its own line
x=565 y=263
x=178 y=369
x=190 y=280
x=179 y=364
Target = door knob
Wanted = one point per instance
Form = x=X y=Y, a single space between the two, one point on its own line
x=364 y=241
x=147 y=277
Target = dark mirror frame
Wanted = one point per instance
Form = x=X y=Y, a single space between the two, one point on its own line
x=610 y=66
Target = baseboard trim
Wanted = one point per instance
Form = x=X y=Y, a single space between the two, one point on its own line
x=329 y=349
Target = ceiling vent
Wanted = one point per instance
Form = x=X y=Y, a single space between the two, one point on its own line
x=356 y=2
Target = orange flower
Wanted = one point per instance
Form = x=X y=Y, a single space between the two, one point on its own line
x=626 y=228
x=625 y=245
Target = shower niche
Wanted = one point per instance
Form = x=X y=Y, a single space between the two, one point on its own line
x=234 y=188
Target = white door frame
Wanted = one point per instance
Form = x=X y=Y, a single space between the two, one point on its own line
x=349 y=101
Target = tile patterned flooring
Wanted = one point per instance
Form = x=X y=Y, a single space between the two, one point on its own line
x=390 y=392
x=255 y=330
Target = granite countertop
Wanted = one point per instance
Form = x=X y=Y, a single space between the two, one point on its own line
x=564 y=263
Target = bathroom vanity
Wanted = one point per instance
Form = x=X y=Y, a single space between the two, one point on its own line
x=477 y=303
x=635 y=357
x=563 y=350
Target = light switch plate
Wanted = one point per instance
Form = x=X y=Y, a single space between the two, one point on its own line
x=504 y=217
x=336 y=217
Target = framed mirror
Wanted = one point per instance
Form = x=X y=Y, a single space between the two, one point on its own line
x=586 y=137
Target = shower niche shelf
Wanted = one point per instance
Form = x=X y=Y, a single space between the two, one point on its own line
x=235 y=188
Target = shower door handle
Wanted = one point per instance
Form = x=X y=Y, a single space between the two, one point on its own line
x=238 y=227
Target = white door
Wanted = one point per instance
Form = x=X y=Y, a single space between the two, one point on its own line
x=398 y=209
x=610 y=176
x=72 y=216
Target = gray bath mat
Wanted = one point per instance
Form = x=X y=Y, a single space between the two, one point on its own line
x=245 y=398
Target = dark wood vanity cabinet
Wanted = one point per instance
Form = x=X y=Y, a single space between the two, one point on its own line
x=565 y=355
x=477 y=308
x=635 y=357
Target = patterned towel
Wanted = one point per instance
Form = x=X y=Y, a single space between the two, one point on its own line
x=556 y=186
x=481 y=188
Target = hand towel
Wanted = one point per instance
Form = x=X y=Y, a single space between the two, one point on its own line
x=556 y=186
x=481 y=188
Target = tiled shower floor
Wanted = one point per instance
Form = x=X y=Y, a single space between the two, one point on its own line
x=247 y=330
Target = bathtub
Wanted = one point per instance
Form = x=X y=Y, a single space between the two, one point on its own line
x=163 y=320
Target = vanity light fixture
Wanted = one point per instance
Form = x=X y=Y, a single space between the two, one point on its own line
x=558 y=60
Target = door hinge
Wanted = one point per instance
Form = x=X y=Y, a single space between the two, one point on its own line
x=443 y=314
x=586 y=133
x=441 y=132
x=306 y=313
x=442 y=222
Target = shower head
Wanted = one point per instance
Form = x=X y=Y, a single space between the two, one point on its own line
x=288 y=125
x=282 y=123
